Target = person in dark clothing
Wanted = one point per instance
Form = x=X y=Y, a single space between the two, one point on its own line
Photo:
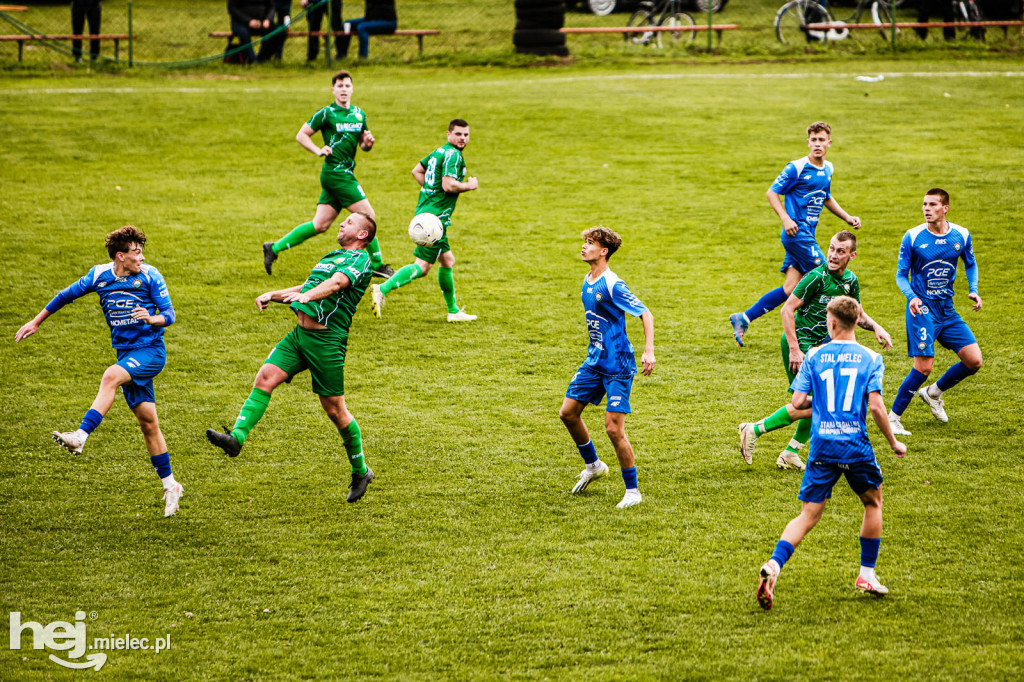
x=80 y=11
x=380 y=19
x=273 y=46
x=942 y=7
x=249 y=18
x=315 y=15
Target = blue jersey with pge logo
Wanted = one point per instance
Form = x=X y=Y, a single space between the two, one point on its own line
x=839 y=376
x=927 y=262
x=806 y=188
x=606 y=302
x=118 y=295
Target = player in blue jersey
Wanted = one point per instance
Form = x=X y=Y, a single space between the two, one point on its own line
x=137 y=306
x=610 y=364
x=806 y=185
x=925 y=275
x=839 y=381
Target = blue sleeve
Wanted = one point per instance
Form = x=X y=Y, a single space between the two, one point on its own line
x=802 y=382
x=625 y=301
x=161 y=297
x=903 y=267
x=69 y=294
x=786 y=180
x=970 y=265
x=875 y=379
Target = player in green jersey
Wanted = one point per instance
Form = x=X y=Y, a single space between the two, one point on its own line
x=344 y=128
x=804 y=325
x=324 y=305
x=442 y=178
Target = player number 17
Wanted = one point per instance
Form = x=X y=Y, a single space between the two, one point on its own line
x=830 y=390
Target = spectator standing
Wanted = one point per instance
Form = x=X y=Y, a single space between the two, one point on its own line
x=249 y=18
x=80 y=11
x=315 y=16
x=274 y=46
x=380 y=19
x=930 y=7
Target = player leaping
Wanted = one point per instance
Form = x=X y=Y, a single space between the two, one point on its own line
x=442 y=178
x=925 y=275
x=344 y=128
x=803 y=322
x=807 y=186
x=839 y=382
x=137 y=307
x=610 y=366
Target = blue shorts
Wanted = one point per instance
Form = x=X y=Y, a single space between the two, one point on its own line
x=820 y=477
x=937 y=321
x=588 y=386
x=142 y=364
x=804 y=255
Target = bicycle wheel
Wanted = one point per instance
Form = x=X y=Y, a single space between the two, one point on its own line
x=674 y=38
x=967 y=10
x=792 y=19
x=881 y=16
x=602 y=7
x=642 y=17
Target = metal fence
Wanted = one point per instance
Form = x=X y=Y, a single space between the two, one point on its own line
x=175 y=32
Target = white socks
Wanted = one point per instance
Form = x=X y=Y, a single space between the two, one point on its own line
x=169 y=482
x=867 y=572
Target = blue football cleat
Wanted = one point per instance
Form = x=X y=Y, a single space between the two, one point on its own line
x=739 y=327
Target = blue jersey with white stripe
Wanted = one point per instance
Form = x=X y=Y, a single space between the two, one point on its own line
x=839 y=376
x=927 y=262
x=606 y=302
x=805 y=188
x=118 y=296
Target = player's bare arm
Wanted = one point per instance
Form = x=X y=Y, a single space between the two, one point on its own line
x=977 y=302
x=304 y=138
x=881 y=417
x=264 y=300
x=881 y=336
x=420 y=173
x=775 y=201
x=32 y=326
x=801 y=401
x=647 y=358
x=336 y=283
x=452 y=186
x=788 y=313
x=366 y=141
x=851 y=220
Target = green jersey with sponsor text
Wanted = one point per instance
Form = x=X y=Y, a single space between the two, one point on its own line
x=816 y=289
x=445 y=161
x=336 y=310
x=342 y=129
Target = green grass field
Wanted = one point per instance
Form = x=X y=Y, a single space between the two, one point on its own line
x=467 y=559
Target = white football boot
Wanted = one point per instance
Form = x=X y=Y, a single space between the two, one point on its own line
x=377 y=296
x=897 y=427
x=767 y=576
x=461 y=316
x=871 y=586
x=748 y=439
x=789 y=460
x=630 y=499
x=936 y=405
x=171 y=497
x=70 y=441
x=588 y=475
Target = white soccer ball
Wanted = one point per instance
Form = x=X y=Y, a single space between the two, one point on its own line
x=426 y=229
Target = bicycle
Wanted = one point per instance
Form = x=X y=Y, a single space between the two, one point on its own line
x=792 y=18
x=966 y=11
x=668 y=13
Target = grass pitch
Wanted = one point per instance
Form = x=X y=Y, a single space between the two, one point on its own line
x=467 y=558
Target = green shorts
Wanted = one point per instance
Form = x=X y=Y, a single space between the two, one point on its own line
x=322 y=352
x=785 y=360
x=340 y=190
x=431 y=253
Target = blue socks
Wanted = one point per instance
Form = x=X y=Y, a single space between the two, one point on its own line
x=869 y=551
x=783 y=550
x=588 y=452
x=93 y=418
x=908 y=389
x=954 y=375
x=162 y=464
x=767 y=303
x=629 y=477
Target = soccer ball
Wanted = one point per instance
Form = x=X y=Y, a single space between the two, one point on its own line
x=426 y=229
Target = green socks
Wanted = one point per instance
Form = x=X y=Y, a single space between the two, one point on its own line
x=252 y=411
x=300 y=234
x=777 y=420
x=373 y=248
x=353 y=439
x=802 y=435
x=447 y=281
x=405 y=274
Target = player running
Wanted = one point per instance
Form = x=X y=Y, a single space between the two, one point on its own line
x=807 y=186
x=324 y=305
x=610 y=364
x=925 y=275
x=803 y=322
x=442 y=178
x=137 y=306
x=838 y=381
x=343 y=127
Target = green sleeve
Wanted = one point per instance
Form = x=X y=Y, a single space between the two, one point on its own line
x=353 y=265
x=855 y=289
x=806 y=288
x=452 y=161
x=316 y=121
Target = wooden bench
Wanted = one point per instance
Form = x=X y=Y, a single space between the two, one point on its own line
x=825 y=26
x=717 y=28
x=22 y=39
x=418 y=32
